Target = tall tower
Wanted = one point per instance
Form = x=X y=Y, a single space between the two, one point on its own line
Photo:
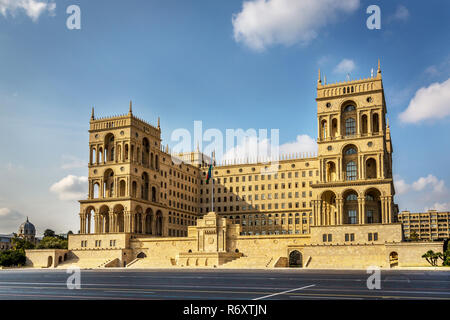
x=354 y=154
x=124 y=177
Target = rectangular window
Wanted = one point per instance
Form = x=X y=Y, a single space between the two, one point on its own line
x=352 y=216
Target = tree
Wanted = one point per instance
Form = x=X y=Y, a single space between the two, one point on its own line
x=21 y=244
x=432 y=257
x=414 y=236
x=52 y=243
x=10 y=258
x=49 y=233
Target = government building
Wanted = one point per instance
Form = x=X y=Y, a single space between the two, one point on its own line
x=335 y=209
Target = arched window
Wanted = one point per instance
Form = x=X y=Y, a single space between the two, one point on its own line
x=350 y=151
x=349 y=108
x=351 y=170
x=324 y=129
x=352 y=197
x=350 y=126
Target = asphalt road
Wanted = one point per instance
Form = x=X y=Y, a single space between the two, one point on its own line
x=224 y=284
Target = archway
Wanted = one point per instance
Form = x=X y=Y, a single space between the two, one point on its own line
x=350 y=161
x=138 y=220
x=120 y=222
x=109 y=147
x=348 y=119
x=295 y=259
x=331 y=171
x=159 y=223
x=145 y=186
x=104 y=219
x=145 y=152
x=148 y=221
x=90 y=213
x=329 y=213
x=122 y=188
x=351 y=211
x=49 y=261
x=373 y=206
x=371 y=168
x=108 y=183
x=393 y=259
x=364 y=125
x=141 y=255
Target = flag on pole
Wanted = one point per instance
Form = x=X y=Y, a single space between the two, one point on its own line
x=209 y=175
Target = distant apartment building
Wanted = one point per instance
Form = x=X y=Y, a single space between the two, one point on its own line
x=431 y=225
x=5 y=241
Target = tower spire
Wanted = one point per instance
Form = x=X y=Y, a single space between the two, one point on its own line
x=319 y=81
x=130 y=112
x=379 y=68
x=92 y=114
x=159 y=127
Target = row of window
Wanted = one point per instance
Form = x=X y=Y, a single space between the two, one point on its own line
x=262 y=176
x=350 y=237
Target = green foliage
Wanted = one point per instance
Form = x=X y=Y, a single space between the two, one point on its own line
x=446 y=257
x=21 y=244
x=10 y=258
x=432 y=257
x=52 y=243
x=49 y=233
x=414 y=236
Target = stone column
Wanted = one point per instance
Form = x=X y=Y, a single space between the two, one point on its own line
x=390 y=209
x=383 y=209
x=165 y=229
x=133 y=223
x=82 y=228
x=153 y=224
x=363 y=210
x=341 y=211
x=143 y=222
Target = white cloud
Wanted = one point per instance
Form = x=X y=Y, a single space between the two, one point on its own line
x=430 y=180
x=71 y=188
x=252 y=148
x=345 y=66
x=402 y=13
x=401 y=187
x=263 y=23
x=32 y=8
x=428 y=103
x=438 y=186
x=440 y=206
x=71 y=162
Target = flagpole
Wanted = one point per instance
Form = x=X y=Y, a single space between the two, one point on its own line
x=212 y=193
x=212 y=184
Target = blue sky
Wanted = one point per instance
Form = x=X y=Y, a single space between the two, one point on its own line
x=229 y=65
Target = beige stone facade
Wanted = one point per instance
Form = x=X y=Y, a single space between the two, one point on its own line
x=333 y=209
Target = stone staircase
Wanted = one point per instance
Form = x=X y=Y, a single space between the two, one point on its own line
x=85 y=263
x=152 y=263
x=250 y=262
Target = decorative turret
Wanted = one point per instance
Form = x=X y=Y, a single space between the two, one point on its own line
x=319 y=80
x=92 y=114
x=130 y=112
x=159 y=126
x=379 y=69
